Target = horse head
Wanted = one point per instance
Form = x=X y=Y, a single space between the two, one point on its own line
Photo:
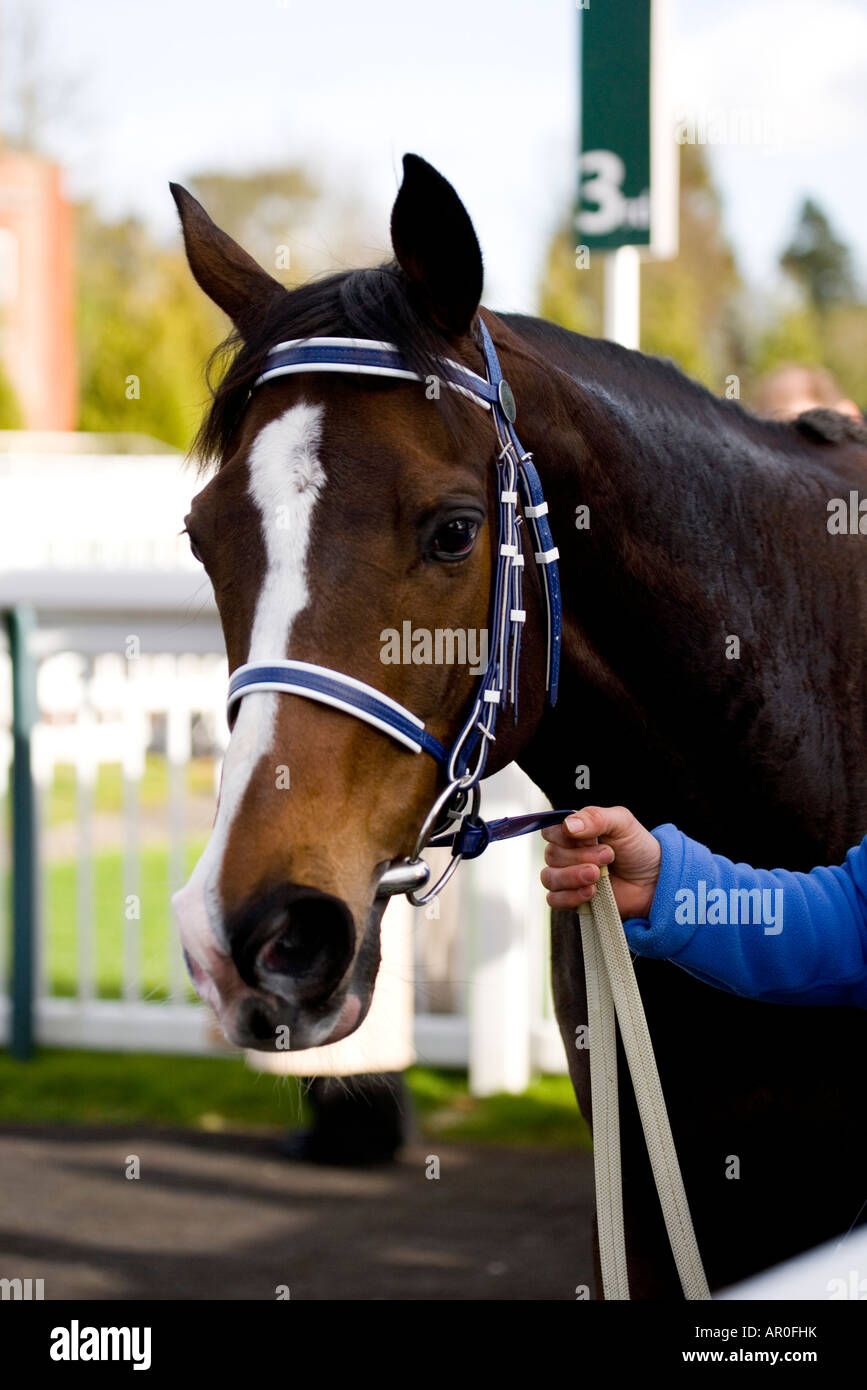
x=346 y=524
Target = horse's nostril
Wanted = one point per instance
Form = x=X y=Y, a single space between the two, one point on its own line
x=309 y=941
x=298 y=942
x=260 y=1025
x=292 y=953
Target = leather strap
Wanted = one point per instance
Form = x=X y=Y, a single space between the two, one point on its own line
x=536 y=512
x=612 y=988
x=474 y=834
x=367 y=357
x=341 y=692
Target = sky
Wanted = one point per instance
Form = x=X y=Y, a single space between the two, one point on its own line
x=484 y=89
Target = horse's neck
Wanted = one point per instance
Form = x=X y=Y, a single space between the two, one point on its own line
x=687 y=683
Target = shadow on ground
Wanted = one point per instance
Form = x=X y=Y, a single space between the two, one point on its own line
x=222 y=1216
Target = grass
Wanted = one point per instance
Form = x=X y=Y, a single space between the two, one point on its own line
x=80 y=1088
x=544 y=1115
x=60 y=807
x=154 y=926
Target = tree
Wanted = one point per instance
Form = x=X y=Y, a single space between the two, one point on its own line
x=690 y=305
x=145 y=328
x=845 y=349
x=10 y=411
x=282 y=218
x=793 y=336
x=144 y=333
x=261 y=210
x=818 y=261
x=829 y=327
x=40 y=93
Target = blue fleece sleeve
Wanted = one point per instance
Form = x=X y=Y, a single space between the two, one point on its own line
x=765 y=933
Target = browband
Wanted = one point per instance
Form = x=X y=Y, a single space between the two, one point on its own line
x=365 y=357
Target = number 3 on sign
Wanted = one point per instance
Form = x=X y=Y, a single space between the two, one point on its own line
x=602 y=175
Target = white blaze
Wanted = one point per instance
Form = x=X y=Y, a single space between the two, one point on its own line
x=286 y=478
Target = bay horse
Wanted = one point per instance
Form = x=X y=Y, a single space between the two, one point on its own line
x=341 y=507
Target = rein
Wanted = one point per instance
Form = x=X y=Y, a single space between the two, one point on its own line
x=454 y=817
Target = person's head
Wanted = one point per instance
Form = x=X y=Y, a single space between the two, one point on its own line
x=789 y=390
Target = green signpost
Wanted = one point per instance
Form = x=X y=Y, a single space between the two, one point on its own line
x=614 y=177
x=20 y=623
x=627 y=166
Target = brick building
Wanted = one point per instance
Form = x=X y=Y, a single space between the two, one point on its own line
x=37 y=309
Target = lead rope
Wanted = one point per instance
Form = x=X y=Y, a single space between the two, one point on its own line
x=612 y=987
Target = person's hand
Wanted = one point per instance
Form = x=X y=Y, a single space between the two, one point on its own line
x=574 y=853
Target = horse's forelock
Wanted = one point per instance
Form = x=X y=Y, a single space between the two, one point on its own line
x=373 y=303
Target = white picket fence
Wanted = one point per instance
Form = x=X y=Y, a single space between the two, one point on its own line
x=125 y=649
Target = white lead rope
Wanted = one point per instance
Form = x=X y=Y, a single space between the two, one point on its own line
x=612 y=988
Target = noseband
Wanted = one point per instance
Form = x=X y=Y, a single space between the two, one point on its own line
x=449 y=821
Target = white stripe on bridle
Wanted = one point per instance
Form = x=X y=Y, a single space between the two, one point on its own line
x=473 y=389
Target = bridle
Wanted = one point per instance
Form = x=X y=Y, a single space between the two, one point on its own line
x=454 y=816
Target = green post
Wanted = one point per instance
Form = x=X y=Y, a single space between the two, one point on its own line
x=615 y=126
x=21 y=622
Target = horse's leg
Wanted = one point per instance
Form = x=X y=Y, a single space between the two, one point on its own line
x=569 y=988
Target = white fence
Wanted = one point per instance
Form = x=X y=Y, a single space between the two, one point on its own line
x=130 y=658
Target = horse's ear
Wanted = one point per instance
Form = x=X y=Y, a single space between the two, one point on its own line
x=436 y=246
x=235 y=282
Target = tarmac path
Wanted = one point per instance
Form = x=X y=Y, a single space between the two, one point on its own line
x=223 y=1216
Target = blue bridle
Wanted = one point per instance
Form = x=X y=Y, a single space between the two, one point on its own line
x=465 y=760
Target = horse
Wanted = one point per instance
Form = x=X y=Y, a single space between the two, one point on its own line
x=713 y=664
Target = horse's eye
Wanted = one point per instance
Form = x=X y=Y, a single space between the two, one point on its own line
x=455 y=538
x=194 y=550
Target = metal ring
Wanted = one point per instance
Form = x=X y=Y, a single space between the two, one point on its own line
x=433 y=815
x=431 y=820
x=420 y=899
x=469 y=779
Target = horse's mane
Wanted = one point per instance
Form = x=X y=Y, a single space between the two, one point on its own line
x=369 y=303
x=830 y=427
x=658 y=382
